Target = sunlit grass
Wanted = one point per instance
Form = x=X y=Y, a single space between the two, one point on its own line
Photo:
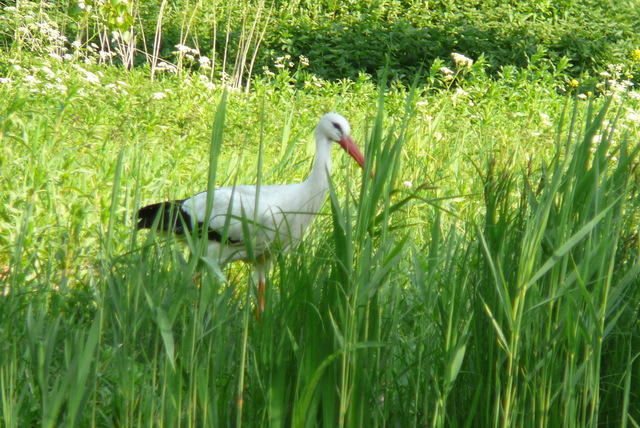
x=486 y=275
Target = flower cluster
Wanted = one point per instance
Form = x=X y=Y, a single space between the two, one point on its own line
x=204 y=80
x=447 y=73
x=461 y=61
x=188 y=56
x=284 y=61
x=186 y=51
x=205 y=62
x=462 y=65
x=616 y=82
x=35 y=31
x=315 y=81
x=633 y=116
x=165 y=66
x=88 y=76
x=290 y=72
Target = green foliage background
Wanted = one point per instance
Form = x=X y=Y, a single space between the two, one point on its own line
x=345 y=38
x=486 y=274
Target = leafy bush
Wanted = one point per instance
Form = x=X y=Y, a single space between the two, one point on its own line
x=344 y=39
x=591 y=34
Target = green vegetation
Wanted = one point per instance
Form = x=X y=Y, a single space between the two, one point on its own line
x=486 y=275
x=236 y=40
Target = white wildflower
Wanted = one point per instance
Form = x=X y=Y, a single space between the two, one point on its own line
x=408 y=184
x=158 y=95
x=60 y=88
x=5 y=80
x=88 y=76
x=279 y=66
x=461 y=92
x=184 y=49
x=615 y=86
x=582 y=96
x=30 y=80
x=461 y=61
x=634 y=95
x=633 y=116
x=446 y=71
x=267 y=72
x=92 y=78
x=615 y=68
x=204 y=62
x=48 y=72
x=545 y=120
x=304 y=60
x=163 y=66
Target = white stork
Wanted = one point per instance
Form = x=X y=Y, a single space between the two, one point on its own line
x=275 y=215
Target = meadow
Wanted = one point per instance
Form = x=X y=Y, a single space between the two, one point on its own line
x=486 y=274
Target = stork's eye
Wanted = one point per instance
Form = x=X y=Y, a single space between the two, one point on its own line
x=337 y=126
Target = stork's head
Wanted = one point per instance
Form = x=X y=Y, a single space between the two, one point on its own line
x=334 y=127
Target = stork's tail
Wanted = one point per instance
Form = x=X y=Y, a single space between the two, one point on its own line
x=172 y=218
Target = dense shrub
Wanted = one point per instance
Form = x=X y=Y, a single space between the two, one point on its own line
x=343 y=39
x=591 y=34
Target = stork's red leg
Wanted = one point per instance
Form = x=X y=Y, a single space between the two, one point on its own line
x=262 y=286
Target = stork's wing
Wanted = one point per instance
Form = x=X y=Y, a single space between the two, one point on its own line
x=231 y=207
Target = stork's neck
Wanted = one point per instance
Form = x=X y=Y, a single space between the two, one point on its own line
x=319 y=177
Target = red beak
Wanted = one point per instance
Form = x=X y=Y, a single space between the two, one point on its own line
x=352 y=149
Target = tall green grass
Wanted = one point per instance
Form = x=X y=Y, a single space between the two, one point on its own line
x=557 y=282
x=497 y=290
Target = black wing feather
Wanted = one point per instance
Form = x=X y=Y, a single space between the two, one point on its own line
x=173 y=219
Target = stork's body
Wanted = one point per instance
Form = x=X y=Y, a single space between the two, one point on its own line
x=275 y=215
